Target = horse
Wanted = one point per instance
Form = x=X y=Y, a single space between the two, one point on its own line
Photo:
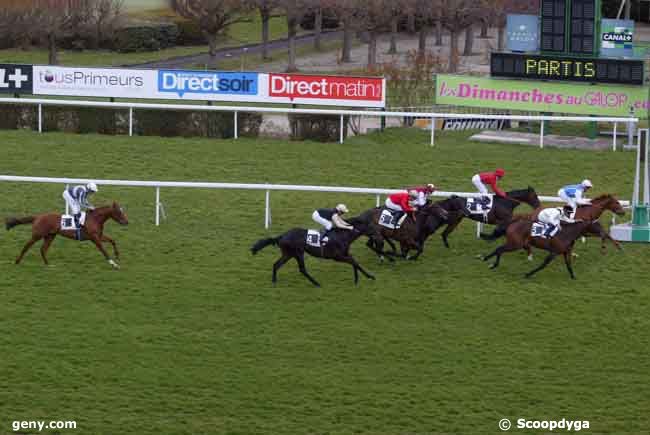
x=500 y=214
x=592 y=212
x=293 y=244
x=48 y=226
x=407 y=234
x=518 y=237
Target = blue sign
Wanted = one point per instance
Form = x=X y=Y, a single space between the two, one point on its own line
x=522 y=32
x=207 y=82
x=616 y=38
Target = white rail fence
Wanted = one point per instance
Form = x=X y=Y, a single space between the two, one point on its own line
x=267 y=188
x=341 y=113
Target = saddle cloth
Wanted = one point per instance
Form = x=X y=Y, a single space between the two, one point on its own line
x=67 y=221
x=539 y=230
x=389 y=219
x=477 y=205
x=313 y=238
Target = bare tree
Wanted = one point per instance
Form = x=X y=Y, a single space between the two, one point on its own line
x=105 y=17
x=456 y=16
x=213 y=17
x=294 y=11
x=318 y=24
x=375 y=17
x=266 y=8
x=347 y=12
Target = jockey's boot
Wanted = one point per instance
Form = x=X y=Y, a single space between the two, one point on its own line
x=549 y=230
x=401 y=220
x=76 y=220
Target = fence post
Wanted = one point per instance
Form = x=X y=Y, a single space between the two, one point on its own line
x=267 y=210
x=130 y=121
x=341 y=129
x=378 y=199
x=433 y=130
x=479 y=227
x=40 y=118
x=67 y=207
x=157 y=206
x=236 y=126
x=614 y=140
x=541 y=134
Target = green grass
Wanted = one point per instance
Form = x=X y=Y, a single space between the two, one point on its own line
x=191 y=338
x=238 y=34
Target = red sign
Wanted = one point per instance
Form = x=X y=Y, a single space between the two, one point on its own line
x=338 y=90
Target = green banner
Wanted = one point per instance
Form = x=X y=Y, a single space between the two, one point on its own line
x=539 y=96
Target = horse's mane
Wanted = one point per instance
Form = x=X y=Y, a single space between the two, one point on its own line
x=520 y=191
x=603 y=197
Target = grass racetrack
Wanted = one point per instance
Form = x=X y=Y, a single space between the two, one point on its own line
x=189 y=337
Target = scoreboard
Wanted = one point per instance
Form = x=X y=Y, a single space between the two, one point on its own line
x=571 y=68
x=570 y=25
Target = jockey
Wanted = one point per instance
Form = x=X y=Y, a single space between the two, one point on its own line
x=572 y=194
x=330 y=218
x=490 y=178
x=553 y=216
x=77 y=199
x=422 y=193
x=403 y=202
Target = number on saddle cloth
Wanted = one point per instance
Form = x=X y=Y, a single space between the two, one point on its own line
x=390 y=218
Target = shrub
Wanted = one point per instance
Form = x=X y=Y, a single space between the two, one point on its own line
x=146 y=37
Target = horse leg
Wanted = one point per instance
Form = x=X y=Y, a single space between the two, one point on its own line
x=547 y=260
x=499 y=231
x=98 y=244
x=567 y=261
x=356 y=266
x=392 y=246
x=116 y=253
x=404 y=249
x=300 y=258
x=28 y=245
x=46 y=245
x=450 y=227
x=277 y=265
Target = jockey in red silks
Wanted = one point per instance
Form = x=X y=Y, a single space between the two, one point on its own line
x=401 y=202
x=422 y=193
x=490 y=178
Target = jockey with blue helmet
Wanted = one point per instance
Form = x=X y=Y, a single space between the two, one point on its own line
x=76 y=198
x=573 y=194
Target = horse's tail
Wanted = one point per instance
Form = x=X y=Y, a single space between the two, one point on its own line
x=12 y=222
x=263 y=243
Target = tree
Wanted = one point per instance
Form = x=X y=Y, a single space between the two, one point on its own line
x=374 y=17
x=347 y=12
x=456 y=16
x=294 y=11
x=213 y=17
x=266 y=9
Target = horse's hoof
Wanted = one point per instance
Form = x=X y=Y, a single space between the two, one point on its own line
x=527 y=276
x=530 y=257
x=481 y=257
x=381 y=259
x=493 y=266
x=372 y=277
x=574 y=255
x=114 y=264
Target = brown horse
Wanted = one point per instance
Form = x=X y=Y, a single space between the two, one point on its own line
x=48 y=226
x=593 y=212
x=518 y=237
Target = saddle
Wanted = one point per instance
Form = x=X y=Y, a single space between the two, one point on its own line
x=479 y=205
x=317 y=238
x=391 y=219
x=67 y=222
x=543 y=230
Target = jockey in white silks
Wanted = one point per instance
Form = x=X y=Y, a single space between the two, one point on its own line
x=553 y=216
x=76 y=198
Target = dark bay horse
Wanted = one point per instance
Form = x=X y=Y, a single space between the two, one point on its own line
x=593 y=212
x=407 y=234
x=518 y=237
x=48 y=226
x=500 y=214
x=293 y=244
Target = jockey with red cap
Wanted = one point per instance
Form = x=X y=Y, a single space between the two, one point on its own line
x=490 y=178
x=422 y=193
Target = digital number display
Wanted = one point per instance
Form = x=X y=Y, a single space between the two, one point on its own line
x=583 y=15
x=540 y=67
x=553 y=30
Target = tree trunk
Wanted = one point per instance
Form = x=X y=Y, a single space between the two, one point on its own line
x=347 y=41
x=265 y=15
x=291 y=32
x=438 y=33
x=410 y=24
x=453 y=52
x=501 y=38
x=53 y=55
x=393 y=35
x=372 y=49
x=212 y=48
x=628 y=9
x=484 y=29
x=469 y=41
x=422 y=40
x=318 y=28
